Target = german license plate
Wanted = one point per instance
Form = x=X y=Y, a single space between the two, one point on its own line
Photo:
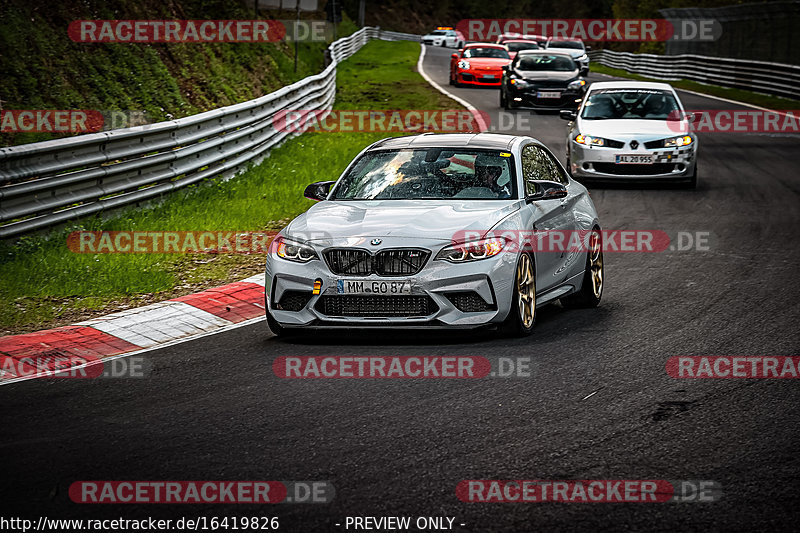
x=548 y=94
x=634 y=159
x=357 y=286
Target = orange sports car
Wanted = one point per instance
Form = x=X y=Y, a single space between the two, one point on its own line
x=479 y=64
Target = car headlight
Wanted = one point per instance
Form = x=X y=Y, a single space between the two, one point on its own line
x=518 y=83
x=463 y=64
x=293 y=250
x=675 y=142
x=584 y=57
x=589 y=141
x=576 y=85
x=472 y=251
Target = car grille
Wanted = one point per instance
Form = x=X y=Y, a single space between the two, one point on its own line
x=469 y=302
x=376 y=306
x=634 y=170
x=293 y=300
x=611 y=143
x=356 y=262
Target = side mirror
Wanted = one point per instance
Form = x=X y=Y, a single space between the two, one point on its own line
x=547 y=190
x=505 y=67
x=568 y=114
x=588 y=48
x=585 y=71
x=454 y=56
x=319 y=190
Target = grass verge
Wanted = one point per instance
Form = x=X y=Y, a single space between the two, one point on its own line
x=45 y=285
x=739 y=95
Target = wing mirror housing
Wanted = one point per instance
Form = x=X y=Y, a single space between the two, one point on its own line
x=568 y=114
x=454 y=56
x=319 y=190
x=584 y=71
x=547 y=190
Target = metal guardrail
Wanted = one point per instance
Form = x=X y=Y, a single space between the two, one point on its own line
x=769 y=78
x=51 y=182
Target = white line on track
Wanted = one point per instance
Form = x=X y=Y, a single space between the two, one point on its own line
x=475 y=111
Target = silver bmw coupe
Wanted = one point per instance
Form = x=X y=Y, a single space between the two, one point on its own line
x=438 y=231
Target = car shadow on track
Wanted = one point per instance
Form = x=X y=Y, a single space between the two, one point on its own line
x=550 y=323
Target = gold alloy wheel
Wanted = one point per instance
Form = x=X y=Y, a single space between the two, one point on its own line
x=596 y=263
x=526 y=291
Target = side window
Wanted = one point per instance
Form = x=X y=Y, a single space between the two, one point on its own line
x=559 y=174
x=538 y=165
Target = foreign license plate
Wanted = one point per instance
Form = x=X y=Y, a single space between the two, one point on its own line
x=548 y=94
x=357 y=286
x=632 y=159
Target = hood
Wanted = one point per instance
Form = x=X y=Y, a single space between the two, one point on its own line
x=547 y=75
x=619 y=129
x=436 y=220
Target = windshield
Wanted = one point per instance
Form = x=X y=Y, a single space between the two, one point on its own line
x=486 y=52
x=629 y=104
x=546 y=62
x=438 y=32
x=516 y=47
x=430 y=174
x=573 y=45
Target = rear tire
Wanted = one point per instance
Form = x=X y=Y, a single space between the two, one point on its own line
x=593 y=278
x=522 y=315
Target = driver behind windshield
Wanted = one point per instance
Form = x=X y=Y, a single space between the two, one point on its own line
x=488 y=171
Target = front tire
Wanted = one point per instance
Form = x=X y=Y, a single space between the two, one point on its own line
x=593 y=278
x=692 y=183
x=522 y=315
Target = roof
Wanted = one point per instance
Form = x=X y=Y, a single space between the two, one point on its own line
x=544 y=52
x=485 y=45
x=495 y=141
x=630 y=84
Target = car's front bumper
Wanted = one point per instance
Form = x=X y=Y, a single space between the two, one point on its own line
x=491 y=279
x=433 y=42
x=528 y=98
x=599 y=163
x=479 y=77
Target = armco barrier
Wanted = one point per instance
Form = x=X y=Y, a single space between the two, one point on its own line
x=47 y=183
x=768 y=78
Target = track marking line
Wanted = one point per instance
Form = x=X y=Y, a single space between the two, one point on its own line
x=471 y=108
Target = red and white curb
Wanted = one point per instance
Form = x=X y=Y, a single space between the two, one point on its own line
x=133 y=330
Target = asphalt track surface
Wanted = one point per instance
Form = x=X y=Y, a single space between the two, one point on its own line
x=212 y=409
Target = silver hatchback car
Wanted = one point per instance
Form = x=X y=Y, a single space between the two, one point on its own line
x=628 y=130
x=437 y=231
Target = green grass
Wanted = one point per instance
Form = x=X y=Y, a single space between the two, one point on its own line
x=739 y=95
x=41 y=68
x=44 y=284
